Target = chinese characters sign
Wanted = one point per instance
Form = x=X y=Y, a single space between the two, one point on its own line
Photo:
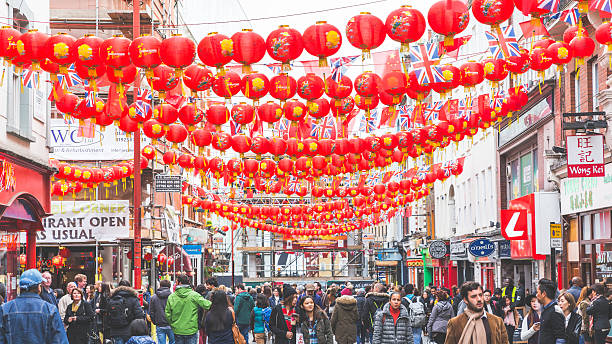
x=585 y=156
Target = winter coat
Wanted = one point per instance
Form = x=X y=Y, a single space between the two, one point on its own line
x=29 y=319
x=278 y=326
x=48 y=296
x=141 y=339
x=496 y=325
x=133 y=309
x=552 y=324
x=224 y=336
x=243 y=306
x=440 y=315
x=182 y=310
x=572 y=330
x=323 y=329
x=374 y=301
x=78 y=329
x=386 y=331
x=599 y=309
x=344 y=320
x=157 y=307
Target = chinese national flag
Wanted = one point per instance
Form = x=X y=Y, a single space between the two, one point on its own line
x=448 y=110
x=386 y=61
x=453 y=49
x=530 y=30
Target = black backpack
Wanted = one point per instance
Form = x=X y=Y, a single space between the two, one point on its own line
x=117 y=312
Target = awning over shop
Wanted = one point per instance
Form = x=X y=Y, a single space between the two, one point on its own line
x=23 y=213
x=386 y=263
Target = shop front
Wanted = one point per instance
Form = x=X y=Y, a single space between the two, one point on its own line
x=586 y=205
x=463 y=267
x=444 y=273
x=24 y=202
x=414 y=267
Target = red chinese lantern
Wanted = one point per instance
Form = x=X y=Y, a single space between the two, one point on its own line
x=541 y=59
x=161 y=258
x=284 y=45
x=278 y=146
x=366 y=85
x=176 y=134
x=201 y=138
x=518 y=64
x=255 y=86
x=169 y=158
x=216 y=50
x=32 y=46
x=472 y=74
x=163 y=80
x=8 y=42
x=227 y=85
x=322 y=40
x=217 y=114
x=405 y=25
x=58 y=50
x=144 y=52
x=561 y=53
x=68 y=103
x=57 y=261
x=338 y=90
x=282 y=87
x=394 y=83
x=242 y=113
x=177 y=52
x=190 y=115
x=583 y=47
x=22 y=260
x=365 y=31
x=241 y=144
x=249 y=48
x=342 y=109
x=448 y=18
x=148 y=152
x=294 y=110
x=166 y=114
x=603 y=35
x=153 y=130
x=139 y=111
x=310 y=87
x=318 y=108
x=127 y=124
x=270 y=112
x=114 y=52
x=86 y=51
x=198 y=78
x=367 y=104
x=495 y=70
x=492 y=12
x=90 y=73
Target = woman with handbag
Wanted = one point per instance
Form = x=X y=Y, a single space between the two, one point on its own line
x=219 y=321
x=79 y=318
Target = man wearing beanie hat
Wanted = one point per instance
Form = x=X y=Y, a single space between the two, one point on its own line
x=284 y=318
x=29 y=319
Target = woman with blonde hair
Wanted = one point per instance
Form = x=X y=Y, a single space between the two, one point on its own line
x=582 y=304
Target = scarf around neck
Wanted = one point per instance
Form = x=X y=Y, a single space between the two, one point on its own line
x=474 y=331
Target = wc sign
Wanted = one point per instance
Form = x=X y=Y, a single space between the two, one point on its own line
x=585 y=156
x=514 y=224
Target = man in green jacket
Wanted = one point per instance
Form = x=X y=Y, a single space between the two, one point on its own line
x=243 y=306
x=182 y=311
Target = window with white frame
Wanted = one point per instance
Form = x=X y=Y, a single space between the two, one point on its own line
x=595 y=83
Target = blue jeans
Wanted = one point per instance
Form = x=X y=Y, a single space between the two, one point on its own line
x=118 y=340
x=190 y=339
x=359 y=334
x=244 y=330
x=416 y=334
x=162 y=332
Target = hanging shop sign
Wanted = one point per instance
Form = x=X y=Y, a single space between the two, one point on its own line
x=481 y=247
x=603 y=269
x=110 y=144
x=585 y=156
x=586 y=194
x=85 y=221
x=532 y=116
x=438 y=249
x=168 y=183
x=193 y=250
x=458 y=251
x=503 y=249
x=514 y=224
x=173 y=226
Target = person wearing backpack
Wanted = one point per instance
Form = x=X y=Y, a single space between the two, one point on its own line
x=121 y=309
x=375 y=300
x=440 y=315
x=258 y=319
x=344 y=318
x=243 y=306
x=157 y=311
x=417 y=315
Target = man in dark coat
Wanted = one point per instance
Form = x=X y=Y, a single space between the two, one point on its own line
x=599 y=309
x=360 y=297
x=157 y=311
x=375 y=300
x=122 y=308
x=552 y=320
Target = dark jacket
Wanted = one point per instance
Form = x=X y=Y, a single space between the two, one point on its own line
x=322 y=329
x=243 y=306
x=496 y=308
x=344 y=320
x=273 y=301
x=440 y=315
x=278 y=326
x=77 y=330
x=133 y=309
x=224 y=336
x=386 y=331
x=455 y=301
x=599 y=309
x=374 y=301
x=572 y=330
x=552 y=324
x=48 y=296
x=157 y=307
x=29 y=319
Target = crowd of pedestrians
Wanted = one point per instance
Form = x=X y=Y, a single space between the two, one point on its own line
x=302 y=314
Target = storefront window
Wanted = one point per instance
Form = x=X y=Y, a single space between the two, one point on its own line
x=586 y=232
x=516 y=189
x=526 y=174
x=601 y=226
x=536 y=185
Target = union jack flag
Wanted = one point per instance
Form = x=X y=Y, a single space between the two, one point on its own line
x=242 y=181
x=603 y=5
x=339 y=66
x=464 y=110
x=145 y=94
x=276 y=68
x=325 y=128
x=29 y=78
x=90 y=99
x=142 y=108
x=571 y=16
x=549 y=5
x=498 y=99
x=70 y=78
x=235 y=127
x=423 y=59
x=293 y=184
x=369 y=125
x=373 y=178
x=503 y=43
x=282 y=126
x=432 y=110
x=403 y=117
